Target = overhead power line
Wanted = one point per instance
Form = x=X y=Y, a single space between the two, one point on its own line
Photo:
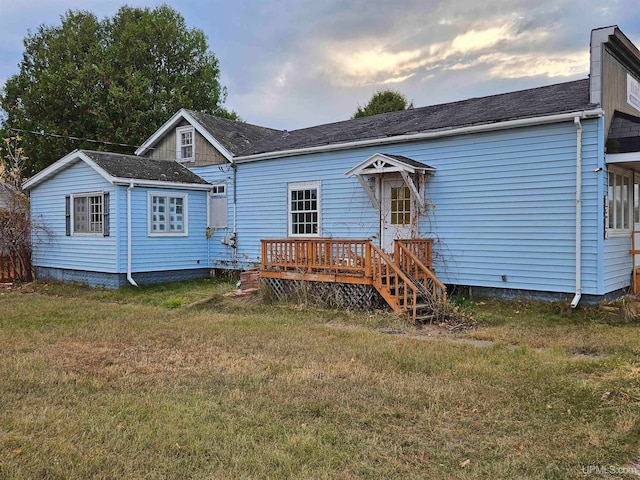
x=169 y=153
x=69 y=137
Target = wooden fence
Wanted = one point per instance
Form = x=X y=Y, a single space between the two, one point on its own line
x=14 y=268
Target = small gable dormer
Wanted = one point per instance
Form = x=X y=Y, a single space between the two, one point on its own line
x=199 y=139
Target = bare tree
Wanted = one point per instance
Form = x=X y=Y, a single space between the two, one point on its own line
x=15 y=220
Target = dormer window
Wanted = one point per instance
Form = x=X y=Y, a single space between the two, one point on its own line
x=185 y=142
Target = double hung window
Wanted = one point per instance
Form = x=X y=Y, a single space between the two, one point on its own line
x=304 y=209
x=185 y=142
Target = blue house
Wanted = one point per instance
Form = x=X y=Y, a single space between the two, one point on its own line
x=529 y=193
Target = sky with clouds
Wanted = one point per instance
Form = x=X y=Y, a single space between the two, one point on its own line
x=295 y=63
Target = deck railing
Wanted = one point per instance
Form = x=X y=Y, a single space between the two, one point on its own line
x=403 y=281
x=391 y=282
x=421 y=248
x=409 y=261
x=345 y=257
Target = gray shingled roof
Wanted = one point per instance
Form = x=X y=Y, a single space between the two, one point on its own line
x=624 y=133
x=143 y=168
x=549 y=100
x=409 y=161
x=234 y=136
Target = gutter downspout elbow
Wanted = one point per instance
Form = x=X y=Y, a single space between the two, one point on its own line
x=129 y=243
x=578 y=293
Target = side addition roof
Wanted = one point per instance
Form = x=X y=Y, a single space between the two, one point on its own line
x=123 y=169
x=550 y=100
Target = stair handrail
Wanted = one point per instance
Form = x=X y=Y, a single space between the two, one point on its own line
x=376 y=265
x=403 y=250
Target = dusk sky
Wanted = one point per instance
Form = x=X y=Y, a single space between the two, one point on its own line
x=290 y=64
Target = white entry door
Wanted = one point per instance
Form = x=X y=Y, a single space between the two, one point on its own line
x=397 y=213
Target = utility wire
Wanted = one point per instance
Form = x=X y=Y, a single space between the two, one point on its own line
x=69 y=137
x=170 y=154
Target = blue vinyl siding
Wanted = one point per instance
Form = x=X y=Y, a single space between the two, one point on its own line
x=221 y=255
x=500 y=204
x=505 y=208
x=157 y=253
x=618 y=263
x=53 y=248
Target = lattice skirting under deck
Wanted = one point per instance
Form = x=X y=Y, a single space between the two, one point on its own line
x=349 y=296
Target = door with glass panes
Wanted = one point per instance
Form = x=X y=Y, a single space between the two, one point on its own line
x=397 y=212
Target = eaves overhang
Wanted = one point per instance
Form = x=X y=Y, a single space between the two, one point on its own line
x=431 y=134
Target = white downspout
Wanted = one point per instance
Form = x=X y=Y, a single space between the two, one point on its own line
x=578 y=295
x=129 y=246
x=235 y=212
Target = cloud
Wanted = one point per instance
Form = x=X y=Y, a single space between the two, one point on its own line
x=493 y=43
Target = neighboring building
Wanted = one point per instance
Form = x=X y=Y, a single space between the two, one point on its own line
x=532 y=192
x=7 y=195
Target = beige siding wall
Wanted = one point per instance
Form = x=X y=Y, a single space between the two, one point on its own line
x=205 y=153
x=614 y=89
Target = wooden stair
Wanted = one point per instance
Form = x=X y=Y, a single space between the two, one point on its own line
x=407 y=285
x=404 y=278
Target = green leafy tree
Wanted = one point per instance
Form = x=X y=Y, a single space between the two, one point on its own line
x=114 y=80
x=383 y=101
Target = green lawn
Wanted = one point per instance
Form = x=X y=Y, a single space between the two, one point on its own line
x=156 y=383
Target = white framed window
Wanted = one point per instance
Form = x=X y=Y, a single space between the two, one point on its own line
x=218 y=206
x=185 y=143
x=167 y=214
x=620 y=201
x=87 y=214
x=304 y=209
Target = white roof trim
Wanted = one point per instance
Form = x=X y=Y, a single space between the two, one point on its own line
x=79 y=155
x=412 y=137
x=629 y=160
x=622 y=157
x=380 y=163
x=161 y=184
x=170 y=124
x=64 y=162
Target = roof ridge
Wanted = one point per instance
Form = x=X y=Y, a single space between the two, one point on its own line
x=425 y=107
x=197 y=112
x=538 y=101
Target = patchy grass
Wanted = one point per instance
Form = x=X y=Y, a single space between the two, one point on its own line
x=587 y=330
x=143 y=384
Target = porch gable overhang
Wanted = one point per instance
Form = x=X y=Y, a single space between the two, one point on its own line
x=385 y=163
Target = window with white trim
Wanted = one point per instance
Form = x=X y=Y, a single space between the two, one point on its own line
x=167 y=214
x=88 y=214
x=185 y=143
x=620 y=196
x=218 y=206
x=304 y=209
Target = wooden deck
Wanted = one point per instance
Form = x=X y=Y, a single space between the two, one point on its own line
x=405 y=280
